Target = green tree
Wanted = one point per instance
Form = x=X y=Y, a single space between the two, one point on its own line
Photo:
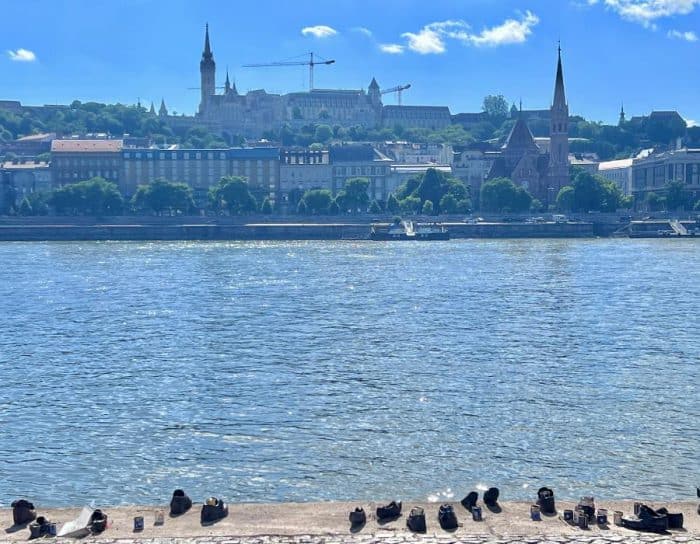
x=431 y=187
x=323 y=133
x=654 y=202
x=501 y=194
x=266 y=207
x=25 y=208
x=427 y=207
x=411 y=204
x=676 y=195
x=334 y=209
x=565 y=199
x=163 y=196
x=233 y=194
x=496 y=107
x=536 y=206
x=95 y=196
x=354 y=195
x=317 y=201
x=696 y=207
x=448 y=204
x=392 y=204
x=594 y=193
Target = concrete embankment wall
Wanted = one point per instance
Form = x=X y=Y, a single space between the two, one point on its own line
x=214 y=230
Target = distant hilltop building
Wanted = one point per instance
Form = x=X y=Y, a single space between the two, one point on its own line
x=255 y=112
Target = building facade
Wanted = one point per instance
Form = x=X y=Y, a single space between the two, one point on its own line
x=417 y=153
x=253 y=114
x=619 y=172
x=653 y=173
x=360 y=160
x=77 y=160
x=472 y=164
x=302 y=169
x=202 y=168
x=21 y=178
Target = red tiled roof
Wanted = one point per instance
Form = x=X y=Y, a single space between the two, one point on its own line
x=86 y=146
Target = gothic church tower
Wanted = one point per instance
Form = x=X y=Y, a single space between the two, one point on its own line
x=207 y=70
x=558 y=136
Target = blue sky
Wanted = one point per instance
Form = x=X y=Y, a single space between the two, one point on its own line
x=453 y=52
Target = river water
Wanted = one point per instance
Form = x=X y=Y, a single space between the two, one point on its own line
x=348 y=370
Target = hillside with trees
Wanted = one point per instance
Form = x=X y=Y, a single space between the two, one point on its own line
x=494 y=123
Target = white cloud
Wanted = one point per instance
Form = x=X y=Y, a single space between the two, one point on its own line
x=319 y=31
x=22 y=55
x=362 y=30
x=425 y=42
x=688 y=36
x=510 y=32
x=431 y=39
x=690 y=123
x=646 y=12
x=391 y=48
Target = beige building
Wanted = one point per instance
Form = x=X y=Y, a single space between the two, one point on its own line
x=303 y=169
x=78 y=160
x=472 y=165
x=361 y=160
x=619 y=172
x=202 y=168
x=417 y=153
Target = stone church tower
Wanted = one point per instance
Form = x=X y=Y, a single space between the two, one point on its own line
x=558 y=137
x=207 y=71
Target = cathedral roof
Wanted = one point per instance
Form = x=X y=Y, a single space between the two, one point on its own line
x=520 y=138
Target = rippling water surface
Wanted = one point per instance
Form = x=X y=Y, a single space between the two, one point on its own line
x=325 y=370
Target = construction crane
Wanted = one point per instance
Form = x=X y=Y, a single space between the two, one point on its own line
x=398 y=90
x=310 y=63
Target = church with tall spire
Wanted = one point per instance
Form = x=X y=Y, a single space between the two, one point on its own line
x=558 y=135
x=257 y=111
x=543 y=172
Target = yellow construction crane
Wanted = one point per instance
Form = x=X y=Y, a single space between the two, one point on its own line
x=310 y=63
x=398 y=90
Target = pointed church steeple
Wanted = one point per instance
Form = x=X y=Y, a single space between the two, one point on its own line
x=374 y=85
x=207 y=54
x=622 y=114
x=207 y=73
x=227 y=85
x=152 y=111
x=559 y=94
x=558 y=175
x=163 y=111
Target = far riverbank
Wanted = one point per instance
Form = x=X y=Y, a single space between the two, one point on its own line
x=198 y=228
